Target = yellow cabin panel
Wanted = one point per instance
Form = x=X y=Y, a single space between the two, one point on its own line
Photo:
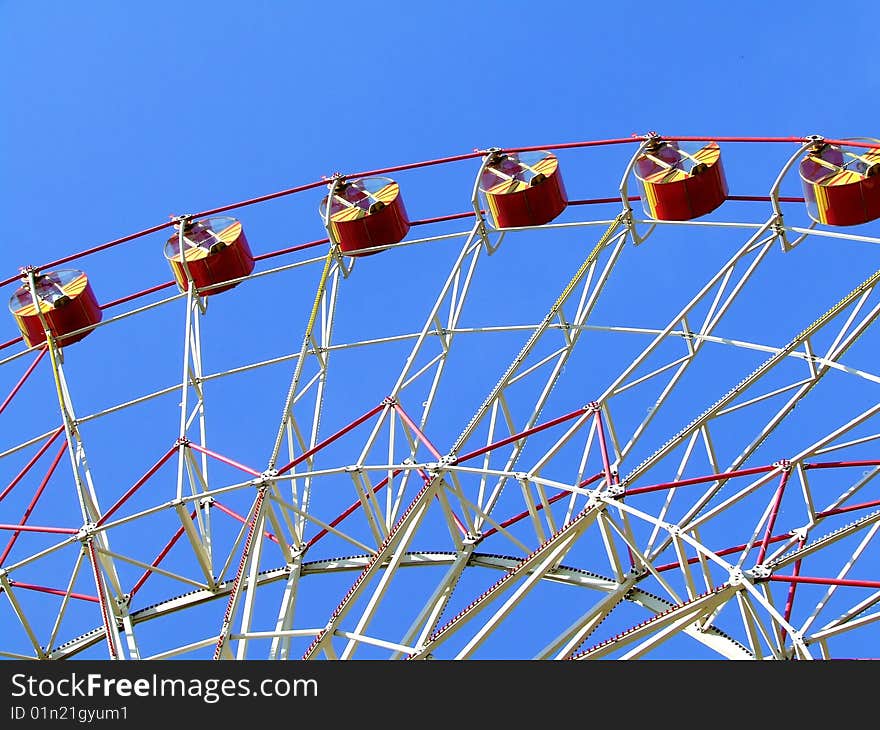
x=387 y=194
x=72 y=289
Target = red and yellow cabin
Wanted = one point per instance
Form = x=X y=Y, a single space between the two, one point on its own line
x=841 y=186
x=366 y=214
x=215 y=250
x=679 y=184
x=523 y=189
x=66 y=302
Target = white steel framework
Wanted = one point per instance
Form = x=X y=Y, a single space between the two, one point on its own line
x=534 y=450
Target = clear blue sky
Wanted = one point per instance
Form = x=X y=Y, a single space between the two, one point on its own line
x=118 y=115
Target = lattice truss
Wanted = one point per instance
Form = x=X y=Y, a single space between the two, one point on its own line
x=604 y=437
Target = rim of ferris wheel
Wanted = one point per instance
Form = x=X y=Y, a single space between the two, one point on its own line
x=365 y=214
x=841 y=184
x=680 y=181
x=215 y=250
x=655 y=559
x=63 y=302
x=523 y=189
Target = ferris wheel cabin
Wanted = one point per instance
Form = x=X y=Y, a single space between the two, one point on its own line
x=214 y=250
x=366 y=214
x=523 y=189
x=679 y=184
x=841 y=186
x=66 y=302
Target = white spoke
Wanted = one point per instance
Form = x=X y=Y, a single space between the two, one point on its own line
x=648 y=433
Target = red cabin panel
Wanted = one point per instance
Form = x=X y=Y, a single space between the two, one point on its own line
x=841 y=186
x=216 y=251
x=523 y=189
x=680 y=185
x=67 y=303
x=366 y=214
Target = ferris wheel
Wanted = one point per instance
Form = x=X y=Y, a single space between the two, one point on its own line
x=614 y=399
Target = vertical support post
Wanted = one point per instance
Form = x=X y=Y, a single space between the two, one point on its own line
x=85 y=488
x=190 y=470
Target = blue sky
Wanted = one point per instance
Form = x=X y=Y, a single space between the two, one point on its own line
x=119 y=115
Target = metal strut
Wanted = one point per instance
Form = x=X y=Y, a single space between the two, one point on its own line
x=297 y=373
x=538 y=333
x=746 y=382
